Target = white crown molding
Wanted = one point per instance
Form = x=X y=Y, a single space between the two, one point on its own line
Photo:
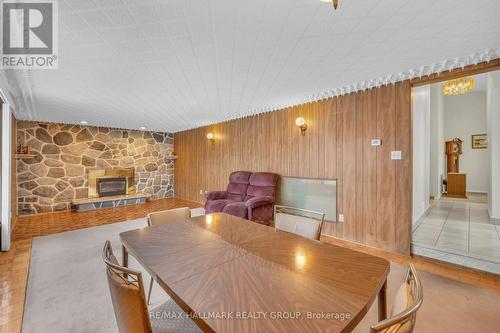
x=436 y=68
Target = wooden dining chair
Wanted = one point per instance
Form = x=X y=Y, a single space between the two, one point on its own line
x=129 y=303
x=404 y=310
x=306 y=223
x=166 y=216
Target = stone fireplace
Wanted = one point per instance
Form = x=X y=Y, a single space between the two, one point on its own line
x=66 y=161
x=111 y=187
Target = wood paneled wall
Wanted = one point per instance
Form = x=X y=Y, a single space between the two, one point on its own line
x=373 y=191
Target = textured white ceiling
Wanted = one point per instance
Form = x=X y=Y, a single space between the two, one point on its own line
x=177 y=64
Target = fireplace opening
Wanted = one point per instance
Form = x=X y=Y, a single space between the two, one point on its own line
x=107 y=186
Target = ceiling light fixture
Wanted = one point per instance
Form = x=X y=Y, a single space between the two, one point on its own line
x=458 y=86
x=335 y=3
x=143 y=128
x=84 y=122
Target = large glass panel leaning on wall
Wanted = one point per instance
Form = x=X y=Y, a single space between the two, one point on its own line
x=318 y=195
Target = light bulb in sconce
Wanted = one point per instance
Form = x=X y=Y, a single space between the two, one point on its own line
x=301 y=123
x=211 y=137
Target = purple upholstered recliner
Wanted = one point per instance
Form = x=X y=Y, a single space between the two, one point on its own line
x=236 y=192
x=257 y=203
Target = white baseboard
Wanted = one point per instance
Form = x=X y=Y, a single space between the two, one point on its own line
x=465 y=260
x=474 y=191
x=421 y=217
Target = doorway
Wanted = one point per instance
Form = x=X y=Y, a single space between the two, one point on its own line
x=5 y=174
x=453 y=164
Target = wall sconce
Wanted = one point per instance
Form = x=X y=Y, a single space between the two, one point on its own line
x=211 y=137
x=301 y=123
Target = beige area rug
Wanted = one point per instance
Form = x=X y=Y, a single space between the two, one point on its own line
x=67 y=288
x=68 y=292
x=449 y=306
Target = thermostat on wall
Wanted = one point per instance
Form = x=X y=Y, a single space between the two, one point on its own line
x=376 y=142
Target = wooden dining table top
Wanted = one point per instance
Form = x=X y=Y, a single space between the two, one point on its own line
x=239 y=276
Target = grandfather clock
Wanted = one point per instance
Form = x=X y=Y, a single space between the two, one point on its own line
x=453 y=151
x=456 y=183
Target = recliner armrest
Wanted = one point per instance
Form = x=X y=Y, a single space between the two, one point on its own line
x=216 y=195
x=259 y=201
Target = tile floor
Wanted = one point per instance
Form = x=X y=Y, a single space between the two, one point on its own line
x=459 y=227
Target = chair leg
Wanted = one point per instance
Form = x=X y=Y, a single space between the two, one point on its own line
x=125 y=260
x=150 y=289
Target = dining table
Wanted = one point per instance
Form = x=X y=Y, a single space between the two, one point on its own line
x=234 y=275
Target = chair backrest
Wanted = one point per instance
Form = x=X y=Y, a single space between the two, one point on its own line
x=127 y=295
x=305 y=223
x=404 y=310
x=238 y=184
x=262 y=184
x=169 y=215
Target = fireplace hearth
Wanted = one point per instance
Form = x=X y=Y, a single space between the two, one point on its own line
x=110 y=188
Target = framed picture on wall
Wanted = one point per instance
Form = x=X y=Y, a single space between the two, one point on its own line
x=479 y=141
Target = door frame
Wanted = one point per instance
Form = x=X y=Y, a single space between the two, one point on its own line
x=480 y=68
x=5 y=180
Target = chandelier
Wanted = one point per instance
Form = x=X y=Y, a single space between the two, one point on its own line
x=458 y=86
x=335 y=2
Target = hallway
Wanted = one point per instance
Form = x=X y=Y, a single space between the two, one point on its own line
x=461 y=227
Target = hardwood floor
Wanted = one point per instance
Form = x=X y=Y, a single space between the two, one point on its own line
x=31 y=226
x=13 y=279
x=14 y=264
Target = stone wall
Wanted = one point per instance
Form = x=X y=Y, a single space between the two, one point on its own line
x=57 y=173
